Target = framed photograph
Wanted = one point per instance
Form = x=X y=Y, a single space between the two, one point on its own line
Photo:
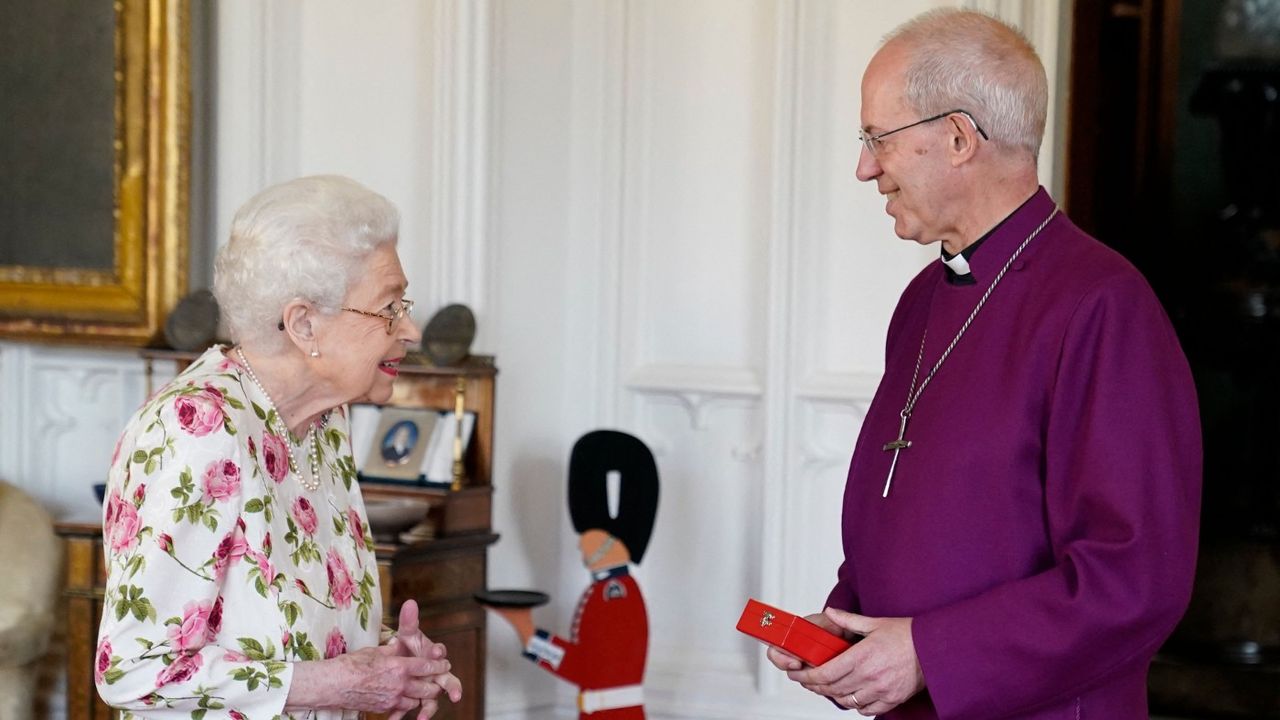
x=398 y=444
x=94 y=193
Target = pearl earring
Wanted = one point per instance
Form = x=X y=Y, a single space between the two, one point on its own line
x=315 y=353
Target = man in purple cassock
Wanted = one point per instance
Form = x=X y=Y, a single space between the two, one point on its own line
x=1022 y=507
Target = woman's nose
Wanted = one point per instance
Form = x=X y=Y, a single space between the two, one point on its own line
x=409 y=331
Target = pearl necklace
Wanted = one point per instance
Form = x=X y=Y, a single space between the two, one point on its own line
x=288 y=446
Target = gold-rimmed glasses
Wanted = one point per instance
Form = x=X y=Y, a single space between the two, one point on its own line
x=392 y=314
x=873 y=142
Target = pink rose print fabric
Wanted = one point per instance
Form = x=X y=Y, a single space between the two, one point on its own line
x=221 y=480
x=275 y=456
x=199 y=413
x=222 y=570
x=335 y=645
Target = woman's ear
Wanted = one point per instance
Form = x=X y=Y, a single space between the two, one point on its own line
x=298 y=322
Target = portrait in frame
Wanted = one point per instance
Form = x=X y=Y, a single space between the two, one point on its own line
x=399 y=444
x=94 y=191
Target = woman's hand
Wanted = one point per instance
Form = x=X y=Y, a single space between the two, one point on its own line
x=368 y=680
x=409 y=641
x=407 y=673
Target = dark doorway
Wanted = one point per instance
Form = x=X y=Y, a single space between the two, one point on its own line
x=1174 y=160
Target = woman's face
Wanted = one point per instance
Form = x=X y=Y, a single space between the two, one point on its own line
x=358 y=359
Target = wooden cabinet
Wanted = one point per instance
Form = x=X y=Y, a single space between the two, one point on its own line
x=441 y=574
x=86 y=576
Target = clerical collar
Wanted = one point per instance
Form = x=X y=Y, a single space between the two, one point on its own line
x=606 y=573
x=957 y=265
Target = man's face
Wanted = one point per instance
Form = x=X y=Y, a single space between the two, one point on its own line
x=908 y=167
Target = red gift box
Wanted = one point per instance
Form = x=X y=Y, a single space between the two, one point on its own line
x=796 y=635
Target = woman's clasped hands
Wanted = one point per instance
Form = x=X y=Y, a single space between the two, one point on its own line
x=409 y=672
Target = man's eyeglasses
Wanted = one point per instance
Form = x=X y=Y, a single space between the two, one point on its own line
x=392 y=314
x=873 y=142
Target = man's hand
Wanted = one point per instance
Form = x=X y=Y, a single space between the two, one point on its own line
x=881 y=670
x=784 y=660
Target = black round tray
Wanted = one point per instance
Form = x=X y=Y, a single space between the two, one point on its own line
x=511 y=598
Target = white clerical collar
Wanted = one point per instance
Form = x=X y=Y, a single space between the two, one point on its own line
x=959 y=272
x=958 y=264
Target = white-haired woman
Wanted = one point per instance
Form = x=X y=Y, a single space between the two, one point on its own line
x=241 y=580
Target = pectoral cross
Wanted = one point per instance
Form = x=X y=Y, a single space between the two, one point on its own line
x=896 y=446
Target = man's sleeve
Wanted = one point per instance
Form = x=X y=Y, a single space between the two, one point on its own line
x=1122 y=487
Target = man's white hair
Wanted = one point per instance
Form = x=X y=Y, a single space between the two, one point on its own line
x=306 y=238
x=971 y=61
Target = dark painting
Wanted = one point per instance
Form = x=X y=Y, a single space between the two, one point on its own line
x=57 y=107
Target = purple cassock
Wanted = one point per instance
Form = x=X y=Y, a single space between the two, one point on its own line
x=1041 y=528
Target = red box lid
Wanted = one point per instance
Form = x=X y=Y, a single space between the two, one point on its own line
x=790 y=632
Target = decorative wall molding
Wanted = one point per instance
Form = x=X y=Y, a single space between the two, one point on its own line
x=781 y=317
x=255 y=104
x=458 y=153
x=63 y=410
x=700 y=380
x=281 y=45
x=635 y=147
x=838 y=387
x=12 y=411
x=699 y=408
x=812 y=452
x=597 y=161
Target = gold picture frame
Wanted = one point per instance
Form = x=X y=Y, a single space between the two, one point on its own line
x=124 y=300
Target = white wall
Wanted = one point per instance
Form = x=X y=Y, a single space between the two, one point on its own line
x=651 y=206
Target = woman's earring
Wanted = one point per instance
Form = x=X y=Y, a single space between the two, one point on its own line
x=315 y=353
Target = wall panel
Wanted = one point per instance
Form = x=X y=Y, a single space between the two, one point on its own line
x=698 y=101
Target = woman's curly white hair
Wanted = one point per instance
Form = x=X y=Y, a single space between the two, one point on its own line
x=307 y=238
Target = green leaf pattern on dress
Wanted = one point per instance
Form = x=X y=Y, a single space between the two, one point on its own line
x=203 y=616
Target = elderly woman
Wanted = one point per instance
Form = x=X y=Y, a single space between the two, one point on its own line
x=241 y=580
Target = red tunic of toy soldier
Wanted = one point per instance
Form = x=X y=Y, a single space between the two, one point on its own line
x=604 y=654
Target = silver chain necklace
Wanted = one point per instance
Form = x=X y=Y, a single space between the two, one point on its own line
x=913 y=393
x=288 y=446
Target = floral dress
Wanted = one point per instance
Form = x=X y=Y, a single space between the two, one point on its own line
x=222 y=570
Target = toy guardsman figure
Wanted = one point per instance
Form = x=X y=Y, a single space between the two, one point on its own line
x=605 y=652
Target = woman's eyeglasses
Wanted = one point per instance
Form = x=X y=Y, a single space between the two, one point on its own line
x=392 y=314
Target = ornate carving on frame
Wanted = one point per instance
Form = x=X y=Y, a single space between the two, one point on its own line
x=140 y=272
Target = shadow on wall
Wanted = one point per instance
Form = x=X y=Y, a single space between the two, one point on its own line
x=535 y=496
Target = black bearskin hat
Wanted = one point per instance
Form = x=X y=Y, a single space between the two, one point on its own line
x=593 y=456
